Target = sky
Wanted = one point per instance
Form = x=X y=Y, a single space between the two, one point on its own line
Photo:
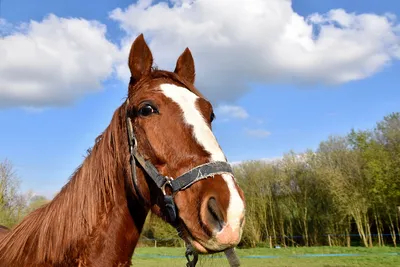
x=282 y=75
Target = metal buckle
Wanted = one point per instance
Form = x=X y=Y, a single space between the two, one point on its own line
x=168 y=182
x=134 y=143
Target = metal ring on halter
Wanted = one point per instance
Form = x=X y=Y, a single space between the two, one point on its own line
x=168 y=182
x=191 y=252
x=134 y=141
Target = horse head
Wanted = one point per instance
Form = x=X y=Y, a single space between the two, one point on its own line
x=172 y=126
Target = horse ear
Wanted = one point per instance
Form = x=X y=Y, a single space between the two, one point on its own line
x=140 y=58
x=185 y=66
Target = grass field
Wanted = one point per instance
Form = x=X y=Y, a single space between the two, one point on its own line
x=299 y=257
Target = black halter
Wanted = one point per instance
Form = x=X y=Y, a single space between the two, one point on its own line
x=176 y=184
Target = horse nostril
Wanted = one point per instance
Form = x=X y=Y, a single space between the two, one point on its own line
x=215 y=219
x=241 y=221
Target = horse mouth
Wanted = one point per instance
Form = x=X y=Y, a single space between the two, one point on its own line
x=201 y=246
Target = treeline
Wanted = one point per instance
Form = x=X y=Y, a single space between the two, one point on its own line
x=346 y=192
x=349 y=186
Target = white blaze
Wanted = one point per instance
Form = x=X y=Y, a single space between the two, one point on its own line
x=236 y=205
x=186 y=100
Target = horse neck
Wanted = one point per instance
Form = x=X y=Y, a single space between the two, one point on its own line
x=95 y=209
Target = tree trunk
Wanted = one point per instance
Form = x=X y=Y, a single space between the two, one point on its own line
x=392 y=230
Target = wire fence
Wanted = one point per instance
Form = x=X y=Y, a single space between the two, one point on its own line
x=160 y=242
x=290 y=240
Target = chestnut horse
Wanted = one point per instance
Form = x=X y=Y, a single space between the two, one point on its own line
x=162 y=130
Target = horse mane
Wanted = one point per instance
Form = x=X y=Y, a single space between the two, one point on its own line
x=3 y=230
x=64 y=225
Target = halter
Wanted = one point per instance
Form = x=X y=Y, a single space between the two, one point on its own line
x=180 y=183
x=176 y=184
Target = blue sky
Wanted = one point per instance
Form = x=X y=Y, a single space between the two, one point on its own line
x=46 y=142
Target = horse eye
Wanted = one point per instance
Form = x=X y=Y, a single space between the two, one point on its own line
x=212 y=117
x=147 y=110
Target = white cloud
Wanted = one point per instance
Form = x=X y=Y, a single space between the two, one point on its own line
x=53 y=62
x=236 y=42
x=58 y=60
x=5 y=27
x=231 y=111
x=259 y=133
x=258 y=121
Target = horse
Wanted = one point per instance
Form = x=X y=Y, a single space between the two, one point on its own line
x=158 y=154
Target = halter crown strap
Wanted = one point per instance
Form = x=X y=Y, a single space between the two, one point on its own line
x=159 y=179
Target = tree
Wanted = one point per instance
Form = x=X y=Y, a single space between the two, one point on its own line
x=349 y=186
x=12 y=204
x=36 y=202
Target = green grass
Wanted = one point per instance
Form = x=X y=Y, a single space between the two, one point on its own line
x=374 y=257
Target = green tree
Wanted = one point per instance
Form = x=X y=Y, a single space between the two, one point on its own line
x=35 y=203
x=12 y=203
